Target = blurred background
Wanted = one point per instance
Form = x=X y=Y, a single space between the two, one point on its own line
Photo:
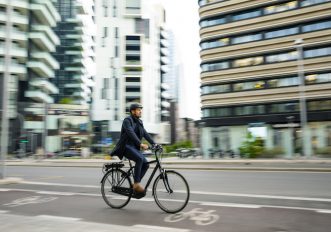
x=218 y=76
x=237 y=91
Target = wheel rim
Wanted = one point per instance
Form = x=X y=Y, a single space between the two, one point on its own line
x=171 y=202
x=112 y=179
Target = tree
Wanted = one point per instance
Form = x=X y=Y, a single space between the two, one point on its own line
x=252 y=146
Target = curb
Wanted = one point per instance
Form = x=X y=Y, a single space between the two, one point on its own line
x=182 y=166
x=11 y=180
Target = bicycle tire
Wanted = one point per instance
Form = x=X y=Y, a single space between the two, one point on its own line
x=111 y=179
x=165 y=200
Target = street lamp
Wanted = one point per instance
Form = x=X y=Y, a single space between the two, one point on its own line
x=303 y=110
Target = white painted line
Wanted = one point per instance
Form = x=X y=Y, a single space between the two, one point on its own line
x=4 y=190
x=197 y=192
x=262 y=196
x=60 y=184
x=4 y=211
x=58 y=218
x=231 y=205
x=56 y=193
x=323 y=211
x=160 y=228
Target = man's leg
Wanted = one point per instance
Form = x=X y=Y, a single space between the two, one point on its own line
x=144 y=168
x=140 y=164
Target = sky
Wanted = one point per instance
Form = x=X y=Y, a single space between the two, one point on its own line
x=183 y=19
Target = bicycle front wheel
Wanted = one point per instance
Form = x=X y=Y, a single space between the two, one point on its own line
x=171 y=191
x=116 y=188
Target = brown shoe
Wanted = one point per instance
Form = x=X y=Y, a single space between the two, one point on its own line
x=138 y=188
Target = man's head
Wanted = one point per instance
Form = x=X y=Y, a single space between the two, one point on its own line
x=136 y=109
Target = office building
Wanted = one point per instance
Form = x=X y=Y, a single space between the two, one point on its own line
x=128 y=65
x=249 y=72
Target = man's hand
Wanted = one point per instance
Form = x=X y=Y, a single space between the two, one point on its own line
x=144 y=146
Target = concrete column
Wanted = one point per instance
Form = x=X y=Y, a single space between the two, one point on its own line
x=205 y=139
x=269 y=141
x=288 y=143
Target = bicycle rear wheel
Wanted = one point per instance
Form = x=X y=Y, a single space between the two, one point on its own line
x=171 y=193
x=111 y=184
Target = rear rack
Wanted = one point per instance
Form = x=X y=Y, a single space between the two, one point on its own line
x=116 y=165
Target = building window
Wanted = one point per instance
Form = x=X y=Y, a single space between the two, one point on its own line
x=212 y=22
x=284 y=107
x=249 y=110
x=312 y=2
x=281 y=32
x=280 y=8
x=215 y=66
x=215 y=43
x=249 y=85
x=318 y=78
x=247 y=38
x=317 y=26
x=216 y=89
x=282 y=57
x=219 y=112
x=317 y=52
x=248 y=61
x=246 y=15
x=319 y=105
x=283 y=82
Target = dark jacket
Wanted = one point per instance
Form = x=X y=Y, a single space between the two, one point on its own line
x=132 y=133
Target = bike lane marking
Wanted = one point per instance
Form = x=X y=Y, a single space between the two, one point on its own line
x=203 y=203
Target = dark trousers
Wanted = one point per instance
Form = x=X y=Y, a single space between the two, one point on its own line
x=141 y=166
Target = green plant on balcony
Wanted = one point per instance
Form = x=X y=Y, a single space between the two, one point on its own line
x=133 y=69
x=66 y=100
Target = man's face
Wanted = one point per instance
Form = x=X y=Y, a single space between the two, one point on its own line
x=137 y=112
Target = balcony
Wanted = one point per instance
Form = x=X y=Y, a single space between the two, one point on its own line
x=47 y=58
x=43 y=14
x=42 y=41
x=74 y=53
x=74 y=86
x=41 y=69
x=45 y=85
x=15 y=51
x=39 y=96
x=129 y=63
x=15 y=34
x=48 y=31
x=16 y=18
x=75 y=69
x=15 y=68
x=77 y=20
x=22 y=4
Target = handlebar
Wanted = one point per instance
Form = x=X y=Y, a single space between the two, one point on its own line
x=156 y=147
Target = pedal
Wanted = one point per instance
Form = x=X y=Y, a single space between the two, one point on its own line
x=138 y=195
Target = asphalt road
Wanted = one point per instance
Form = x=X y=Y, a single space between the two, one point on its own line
x=69 y=199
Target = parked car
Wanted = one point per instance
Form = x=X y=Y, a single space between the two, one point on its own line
x=69 y=153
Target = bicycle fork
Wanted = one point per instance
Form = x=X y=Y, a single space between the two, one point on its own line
x=164 y=177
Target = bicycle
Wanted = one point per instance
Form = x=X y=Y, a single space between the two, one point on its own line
x=170 y=189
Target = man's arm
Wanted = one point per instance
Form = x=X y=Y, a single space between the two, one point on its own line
x=130 y=132
x=148 y=137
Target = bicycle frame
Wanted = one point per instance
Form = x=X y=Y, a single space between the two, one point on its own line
x=157 y=166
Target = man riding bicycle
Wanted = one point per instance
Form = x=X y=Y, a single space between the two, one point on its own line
x=129 y=144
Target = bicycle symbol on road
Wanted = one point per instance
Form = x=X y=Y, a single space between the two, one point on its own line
x=30 y=200
x=201 y=218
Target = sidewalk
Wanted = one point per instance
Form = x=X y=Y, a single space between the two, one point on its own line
x=299 y=164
